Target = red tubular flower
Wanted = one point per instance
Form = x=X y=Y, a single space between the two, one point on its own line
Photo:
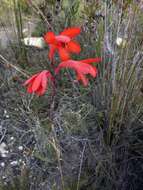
x=81 y=68
x=63 y=43
x=38 y=82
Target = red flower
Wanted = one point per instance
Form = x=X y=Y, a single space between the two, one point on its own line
x=63 y=43
x=38 y=82
x=81 y=67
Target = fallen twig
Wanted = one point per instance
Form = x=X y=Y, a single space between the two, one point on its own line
x=7 y=64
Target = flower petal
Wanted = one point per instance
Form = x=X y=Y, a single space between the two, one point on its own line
x=40 y=91
x=44 y=81
x=74 y=47
x=64 y=55
x=52 y=51
x=96 y=72
x=49 y=38
x=82 y=78
x=89 y=69
x=38 y=80
x=91 y=60
x=49 y=76
x=71 y=32
x=62 y=38
x=64 y=64
x=30 y=80
x=78 y=66
x=29 y=89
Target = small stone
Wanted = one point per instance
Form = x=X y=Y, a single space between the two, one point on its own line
x=120 y=42
x=24 y=164
x=2 y=164
x=11 y=150
x=3 y=145
x=3 y=150
x=20 y=160
x=11 y=138
x=3 y=155
x=5 y=111
x=14 y=163
x=20 y=148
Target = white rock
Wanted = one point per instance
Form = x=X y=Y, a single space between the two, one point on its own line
x=2 y=164
x=34 y=41
x=5 y=111
x=25 y=31
x=3 y=148
x=11 y=138
x=3 y=155
x=14 y=163
x=120 y=42
x=20 y=148
x=24 y=164
x=20 y=160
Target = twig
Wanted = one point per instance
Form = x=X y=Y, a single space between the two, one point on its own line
x=58 y=153
x=8 y=64
x=38 y=11
x=3 y=135
x=81 y=162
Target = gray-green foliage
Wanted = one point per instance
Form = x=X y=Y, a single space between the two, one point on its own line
x=106 y=117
